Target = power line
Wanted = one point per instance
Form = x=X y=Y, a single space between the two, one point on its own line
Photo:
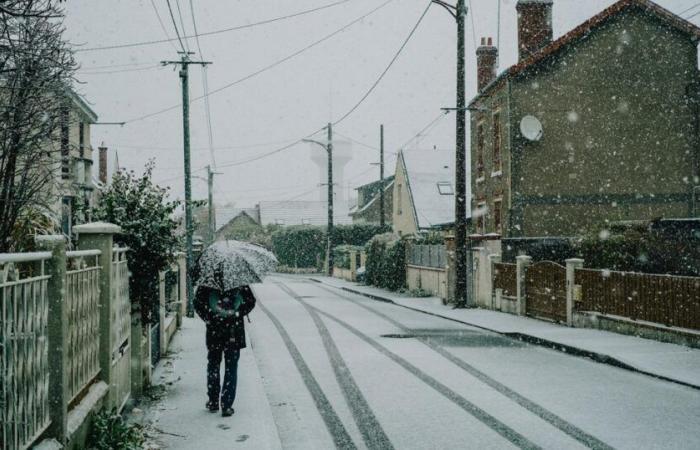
x=162 y=25
x=356 y=141
x=177 y=32
x=426 y=128
x=396 y=55
x=211 y=33
x=182 y=24
x=270 y=66
x=691 y=16
x=205 y=87
x=688 y=9
x=109 y=72
x=473 y=27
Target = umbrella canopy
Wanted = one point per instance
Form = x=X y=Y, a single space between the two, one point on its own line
x=227 y=265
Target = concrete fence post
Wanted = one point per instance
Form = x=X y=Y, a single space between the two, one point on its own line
x=100 y=236
x=522 y=262
x=353 y=265
x=161 y=311
x=495 y=299
x=58 y=335
x=571 y=266
x=182 y=288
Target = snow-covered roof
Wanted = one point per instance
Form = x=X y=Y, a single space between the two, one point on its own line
x=302 y=213
x=389 y=185
x=427 y=172
x=224 y=215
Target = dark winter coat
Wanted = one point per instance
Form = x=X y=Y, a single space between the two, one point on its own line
x=224 y=315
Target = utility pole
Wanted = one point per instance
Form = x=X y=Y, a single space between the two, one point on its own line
x=184 y=63
x=329 y=241
x=210 y=190
x=460 y=171
x=459 y=12
x=382 y=221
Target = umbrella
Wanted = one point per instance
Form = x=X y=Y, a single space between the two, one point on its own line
x=227 y=265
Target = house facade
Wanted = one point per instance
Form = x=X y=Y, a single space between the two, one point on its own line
x=368 y=209
x=73 y=186
x=423 y=197
x=600 y=125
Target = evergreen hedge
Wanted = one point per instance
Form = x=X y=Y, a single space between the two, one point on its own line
x=305 y=245
x=386 y=262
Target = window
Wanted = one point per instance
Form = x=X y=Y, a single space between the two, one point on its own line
x=65 y=144
x=445 y=188
x=480 y=213
x=497 y=142
x=480 y=150
x=497 y=216
x=398 y=200
x=81 y=137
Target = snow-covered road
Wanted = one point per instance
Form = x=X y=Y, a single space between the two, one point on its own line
x=340 y=370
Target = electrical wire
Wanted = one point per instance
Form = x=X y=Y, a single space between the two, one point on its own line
x=270 y=66
x=426 y=128
x=162 y=25
x=109 y=72
x=205 y=87
x=211 y=33
x=177 y=32
x=182 y=24
x=688 y=9
x=356 y=141
x=471 y=8
x=386 y=70
x=691 y=16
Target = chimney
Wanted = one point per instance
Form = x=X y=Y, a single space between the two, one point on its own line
x=534 y=26
x=103 y=164
x=486 y=60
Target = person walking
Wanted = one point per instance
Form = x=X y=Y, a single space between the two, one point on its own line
x=225 y=337
x=224 y=272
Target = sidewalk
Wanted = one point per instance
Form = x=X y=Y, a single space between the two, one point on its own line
x=179 y=419
x=672 y=362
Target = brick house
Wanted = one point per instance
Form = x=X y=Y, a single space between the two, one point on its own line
x=599 y=125
x=368 y=208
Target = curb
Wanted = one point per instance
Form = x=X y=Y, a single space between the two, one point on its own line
x=601 y=358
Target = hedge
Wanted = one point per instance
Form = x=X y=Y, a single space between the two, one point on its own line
x=341 y=255
x=305 y=245
x=386 y=262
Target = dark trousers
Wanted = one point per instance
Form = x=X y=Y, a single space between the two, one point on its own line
x=231 y=354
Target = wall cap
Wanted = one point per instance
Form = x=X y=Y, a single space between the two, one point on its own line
x=97 y=228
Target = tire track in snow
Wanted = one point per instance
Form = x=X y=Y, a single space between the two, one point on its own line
x=484 y=417
x=567 y=427
x=341 y=437
x=372 y=432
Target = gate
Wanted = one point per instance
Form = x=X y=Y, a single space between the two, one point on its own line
x=546 y=291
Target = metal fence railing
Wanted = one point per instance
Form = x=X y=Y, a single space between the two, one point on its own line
x=121 y=324
x=83 y=301
x=24 y=370
x=433 y=256
x=664 y=299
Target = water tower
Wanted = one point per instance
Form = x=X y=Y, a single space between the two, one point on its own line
x=342 y=154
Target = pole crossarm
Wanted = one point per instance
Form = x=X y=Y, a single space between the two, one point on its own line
x=450 y=8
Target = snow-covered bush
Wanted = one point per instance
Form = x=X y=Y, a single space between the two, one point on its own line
x=386 y=262
x=143 y=211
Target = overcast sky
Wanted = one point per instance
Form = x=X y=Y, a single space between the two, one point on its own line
x=292 y=99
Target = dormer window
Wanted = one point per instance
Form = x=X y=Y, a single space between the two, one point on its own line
x=445 y=188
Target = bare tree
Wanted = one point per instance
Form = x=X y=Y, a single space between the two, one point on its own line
x=36 y=72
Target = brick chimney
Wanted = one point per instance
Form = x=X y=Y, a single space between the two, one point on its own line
x=486 y=60
x=103 y=164
x=534 y=26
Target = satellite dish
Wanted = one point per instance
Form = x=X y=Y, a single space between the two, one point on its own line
x=531 y=128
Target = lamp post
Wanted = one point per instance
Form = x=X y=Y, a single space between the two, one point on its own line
x=459 y=12
x=328 y=147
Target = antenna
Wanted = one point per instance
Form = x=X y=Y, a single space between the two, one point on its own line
x=531 y=128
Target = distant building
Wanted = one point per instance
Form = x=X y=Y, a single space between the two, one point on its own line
x=73 y=186
x=237 y=223
x=423 y=197
x=368 y=208
x=287 y=213
x=599 y=125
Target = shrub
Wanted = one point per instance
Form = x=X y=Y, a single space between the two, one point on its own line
x=386 y=262
x=341 y=255
x=111 y=432
x=305 y=245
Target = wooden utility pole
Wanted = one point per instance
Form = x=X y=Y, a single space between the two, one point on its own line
x=184 y=63
x=382 y=212
x=329 y=241
x=210 y=199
